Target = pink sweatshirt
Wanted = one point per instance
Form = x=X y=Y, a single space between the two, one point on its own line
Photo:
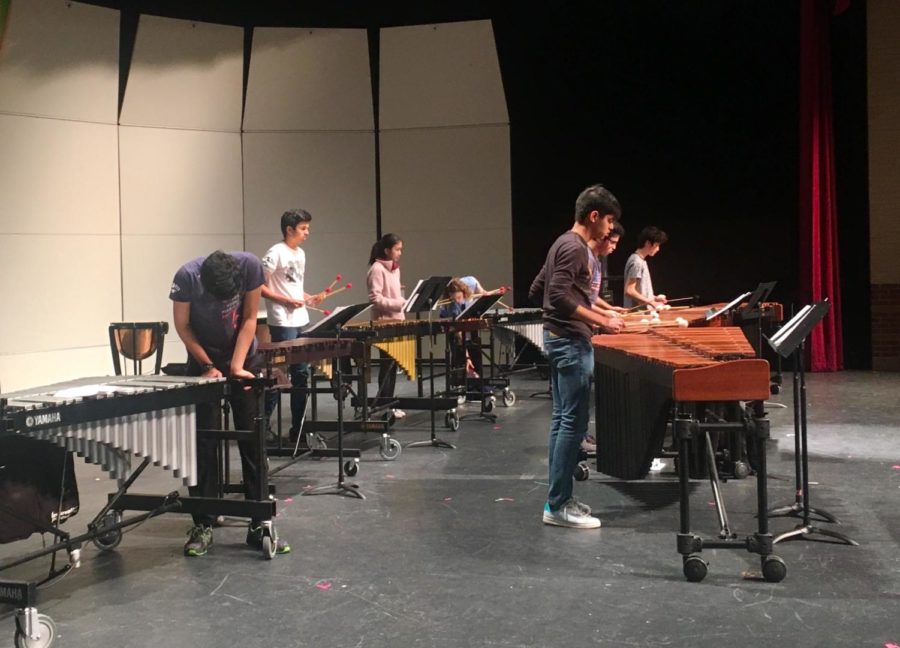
x=384 y=291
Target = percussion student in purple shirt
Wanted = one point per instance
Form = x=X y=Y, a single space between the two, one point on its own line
x=215 y=300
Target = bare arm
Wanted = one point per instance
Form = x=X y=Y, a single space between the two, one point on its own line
x=181 y=313
x=605 y=305
x=610 y=324
x=245 y=334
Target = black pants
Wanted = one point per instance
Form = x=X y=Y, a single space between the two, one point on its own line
x=209 y=417
x=387 y=378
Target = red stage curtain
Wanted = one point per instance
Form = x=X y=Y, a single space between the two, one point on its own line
x=819 y=262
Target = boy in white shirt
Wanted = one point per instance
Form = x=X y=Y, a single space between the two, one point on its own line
x=284 y=266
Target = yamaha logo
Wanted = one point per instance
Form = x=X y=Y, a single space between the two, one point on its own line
x=43 y=419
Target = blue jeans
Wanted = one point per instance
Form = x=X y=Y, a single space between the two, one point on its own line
x=299 y=378
x=571 y=369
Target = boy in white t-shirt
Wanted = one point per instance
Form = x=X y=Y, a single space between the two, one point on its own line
x=284 y=266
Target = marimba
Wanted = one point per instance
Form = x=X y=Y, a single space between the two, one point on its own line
x=694 y=380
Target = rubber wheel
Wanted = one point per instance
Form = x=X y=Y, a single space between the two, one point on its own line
x=488 y=404
x=582 y=472
x=773 y=568
x=46 y=631
x=741 y=470
x=351 y=467
x=451 y=420
x=391 y=449
x=509 y=397
x=110 y=539
x=695 y=569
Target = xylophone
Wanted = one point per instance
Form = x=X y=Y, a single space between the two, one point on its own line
x=398 y=338
x=694 y=380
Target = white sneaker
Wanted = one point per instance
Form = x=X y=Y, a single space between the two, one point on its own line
x=658 y=465
x=571 y=515
x=584 y=508
x=399 y=414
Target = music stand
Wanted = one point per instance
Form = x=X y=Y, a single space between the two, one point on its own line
x=329 y=326
x=424 y=299
x=713 y=314
x=759 y=295
x=789 y=340
x=479 y=307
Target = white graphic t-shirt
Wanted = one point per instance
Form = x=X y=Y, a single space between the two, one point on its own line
x=284 y=268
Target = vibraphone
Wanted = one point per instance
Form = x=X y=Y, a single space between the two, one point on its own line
x=525 y=323
x=105 y=420
x=693 y=381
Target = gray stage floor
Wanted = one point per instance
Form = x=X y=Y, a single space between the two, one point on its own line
x=448 y=549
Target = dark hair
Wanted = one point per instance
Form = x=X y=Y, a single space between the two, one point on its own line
x=386 y=242
x=651 y=234
x=596 y=198
x=221 y=275
x=617 y=230
x=292 y=217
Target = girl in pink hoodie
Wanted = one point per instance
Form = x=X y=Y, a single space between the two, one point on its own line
x=383 y=282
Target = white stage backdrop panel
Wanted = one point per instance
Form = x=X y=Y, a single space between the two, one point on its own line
x=331 y=175
x=446 y=192
x=58 y=177
x=309 y=79
x=25 y=370
x=60 y=59
x=180 y=181
x=185 y=75
x=65 y=289
x=440 y=75
x=149 y=263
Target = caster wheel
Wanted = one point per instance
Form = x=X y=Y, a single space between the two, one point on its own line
x=390 y=449
x=351 y=467
x=509 y=397
x=582 y=472
x=451 y=420
x=694 y=568
x=461 y=399
x=773 y=568
x=774 y=389
x=109 y=540
x=46 y=629
x=488 y=403
x=268 y=547
x=741 y=470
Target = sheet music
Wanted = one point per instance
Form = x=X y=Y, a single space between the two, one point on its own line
x=734 y=302
x=789 y=327
x=413 y=295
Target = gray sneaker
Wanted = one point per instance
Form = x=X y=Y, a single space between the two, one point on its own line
x=571 y=515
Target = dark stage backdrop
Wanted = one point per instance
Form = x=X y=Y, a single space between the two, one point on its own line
x=687 y=111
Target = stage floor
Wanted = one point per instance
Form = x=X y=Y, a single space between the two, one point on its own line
x=448 y=549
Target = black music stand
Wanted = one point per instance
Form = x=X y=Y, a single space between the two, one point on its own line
x=333 y=324
x=476 y=310
x=424 y=299
x=789 y=340
x=479 y=307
